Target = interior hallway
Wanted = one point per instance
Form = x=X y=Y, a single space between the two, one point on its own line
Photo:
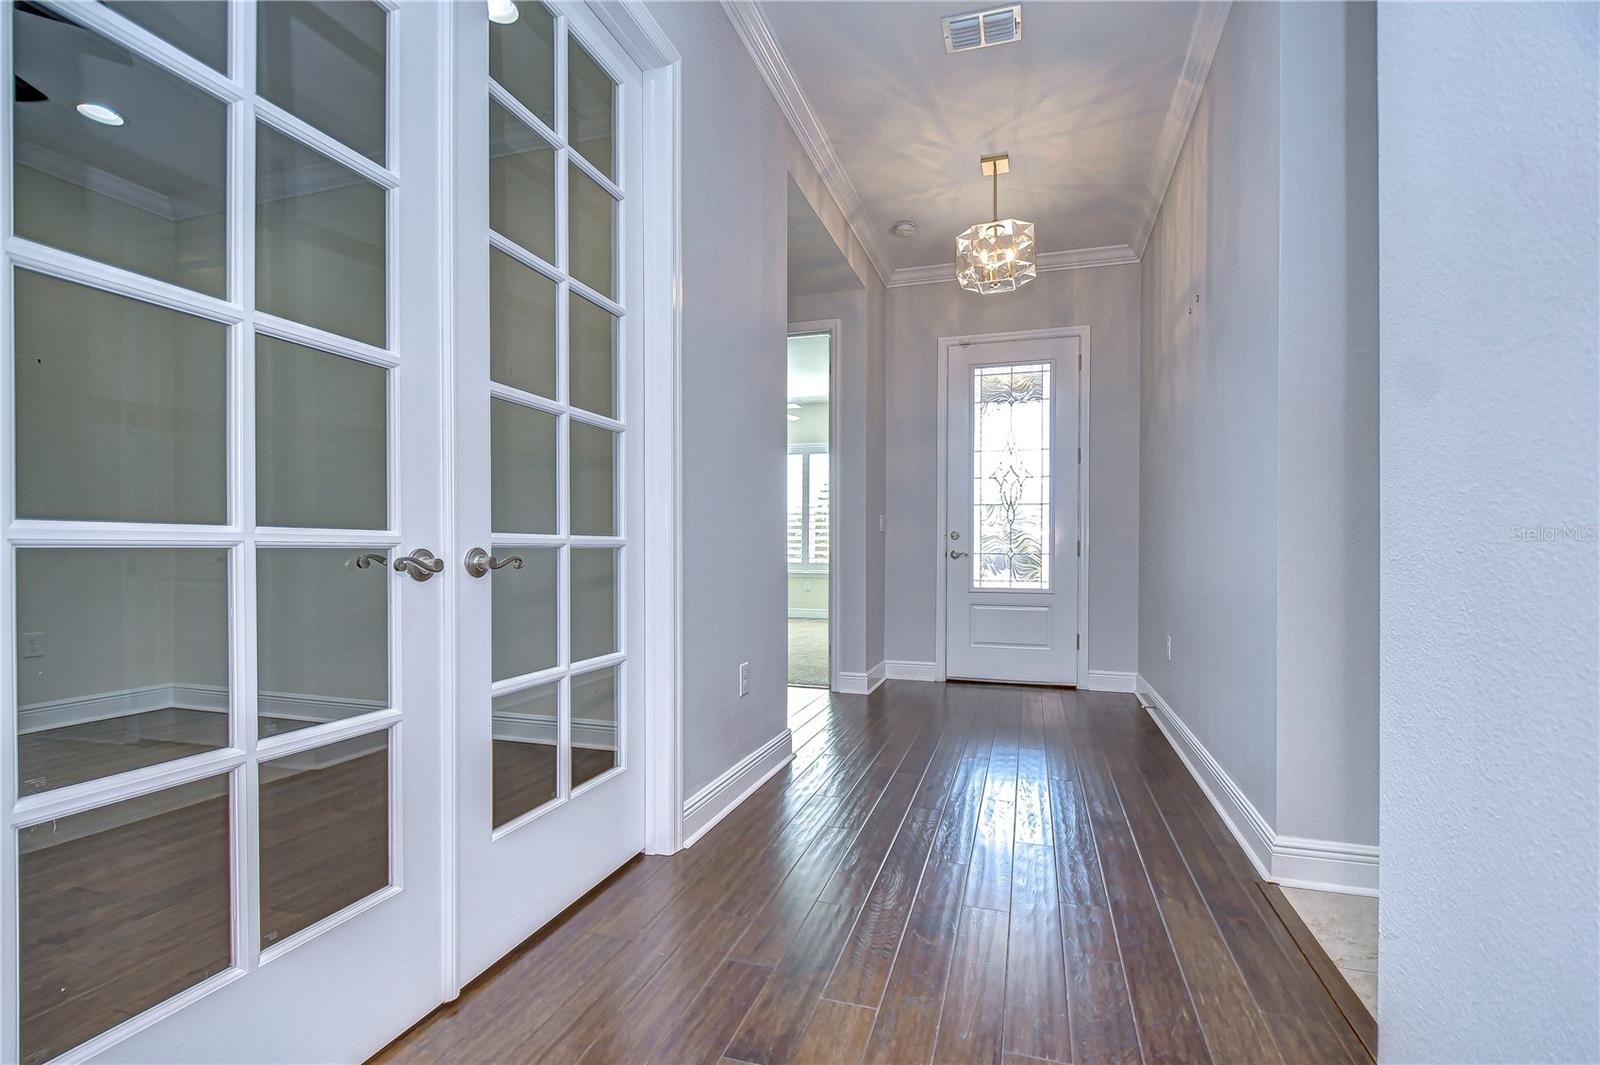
x=944 y=873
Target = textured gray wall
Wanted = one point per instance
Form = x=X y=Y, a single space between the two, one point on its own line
x=1488 y=140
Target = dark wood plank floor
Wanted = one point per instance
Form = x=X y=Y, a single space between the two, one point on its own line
x=946 y=873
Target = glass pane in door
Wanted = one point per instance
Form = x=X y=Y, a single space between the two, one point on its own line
x=594 y=724
x=122 y=660
x=522 y=59
x=121 y=408
x=321 y=241
x=522 y=468
x=594 y=603
x=116 y=159
x=525 y=732
x=522 y=326
x=594 y=480
x=1011 y=476
x=522 y=184
x=325 y=63
x=199 y=27
x=591 y=109
x=591 y=233
x=591 y=359
x=526 y=607
x=120 y=908
x=322 y=439
x=322 y=635
x=324 y=832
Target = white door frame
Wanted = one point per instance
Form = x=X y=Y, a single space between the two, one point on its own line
x=832 y=327
x=942 y=583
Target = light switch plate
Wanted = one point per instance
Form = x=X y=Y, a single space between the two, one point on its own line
x=33 y=645
x=744 y=679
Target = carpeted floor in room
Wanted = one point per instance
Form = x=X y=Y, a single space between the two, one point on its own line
x=808 y=652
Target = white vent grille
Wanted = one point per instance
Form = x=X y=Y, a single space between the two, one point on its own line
x=981 y=29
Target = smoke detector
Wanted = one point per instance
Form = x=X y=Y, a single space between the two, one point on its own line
x=904 y=228
x=983 y=29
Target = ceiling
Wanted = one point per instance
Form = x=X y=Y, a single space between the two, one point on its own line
x=1091 y=104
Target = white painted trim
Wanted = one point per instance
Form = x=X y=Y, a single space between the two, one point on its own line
x=1105 y=680
x=815 y=612
x=1293 y=861
x=1204 y=36
x=859 y=683
x=1075 y=259
x=723 y=795
x=904 y=670
x=758 y=39
x=1237 y=811
x=941 y=490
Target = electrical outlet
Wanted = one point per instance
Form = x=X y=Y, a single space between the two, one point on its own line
x=33 y=645
x=744 y=679
x=1169 y=647
x=806 y=585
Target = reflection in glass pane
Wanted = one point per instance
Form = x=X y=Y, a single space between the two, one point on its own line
x=321 y=439
x=199 y=27
x=522 y=469
x=1011 y=476
x=522 y=326
x=324 y=832
x=98 y=949
x=147 y=195
x=522 y=59
x=121 y=408
x=591 y=377
x=590 y=233
x=594 y=603
x=594 y=481
x=525 y=740
x=522 y=185
x=322 y=641
x=590 y=109
x=594 y=724
x=324 y=64
x=140 y=635
x=524 y=612
x=320 y=240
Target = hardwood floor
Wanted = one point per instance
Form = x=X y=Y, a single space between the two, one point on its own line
x=946 y=873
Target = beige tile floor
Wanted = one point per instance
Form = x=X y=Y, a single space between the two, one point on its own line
x=1347 y=928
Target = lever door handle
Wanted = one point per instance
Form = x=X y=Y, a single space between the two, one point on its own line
x=954 y=554
x=420 y=564
x=479 y=562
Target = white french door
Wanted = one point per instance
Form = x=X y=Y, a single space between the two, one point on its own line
x=548 y=400
x=222 y=473
x=1011 y=545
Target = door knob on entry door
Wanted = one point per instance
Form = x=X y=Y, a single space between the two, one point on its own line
x=954 y=554
x=479 y=562
x=420 y=564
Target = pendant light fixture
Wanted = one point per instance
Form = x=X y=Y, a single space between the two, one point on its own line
x=995 y=256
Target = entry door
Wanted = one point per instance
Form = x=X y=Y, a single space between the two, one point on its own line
x=221 y=708
x=550 y=775
x=1011 y=548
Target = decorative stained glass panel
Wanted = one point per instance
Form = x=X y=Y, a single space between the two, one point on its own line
x=1011 y=476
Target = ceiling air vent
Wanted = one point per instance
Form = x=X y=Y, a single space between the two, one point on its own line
x=980 y=29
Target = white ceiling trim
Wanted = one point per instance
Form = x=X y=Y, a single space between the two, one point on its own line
x=1077 y=259
x=1204 y=36
x=756 y=33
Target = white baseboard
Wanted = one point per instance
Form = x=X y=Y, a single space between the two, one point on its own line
x=105 y=706
x=1105 y=680
x=906 y=670
x=1322 y=865
x=860 y=683
x=724 y=794
x=808 y=612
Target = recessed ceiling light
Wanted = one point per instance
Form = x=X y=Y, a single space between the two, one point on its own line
x=904 y=228
x=503 y=11
x=100 y=113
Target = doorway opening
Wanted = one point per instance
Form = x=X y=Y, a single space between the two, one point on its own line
x=808 y=516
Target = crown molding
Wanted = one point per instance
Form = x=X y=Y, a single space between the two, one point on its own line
x=756 y=34
x=1204 y=36
x=1076 y=259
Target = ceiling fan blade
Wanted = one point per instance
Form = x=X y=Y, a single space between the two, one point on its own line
x=28 y=7
x=96 y=46
x=27 y=94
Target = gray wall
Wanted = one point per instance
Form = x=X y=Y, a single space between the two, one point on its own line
x=1328 y=424
x=1488 y=146
x=738 y=156
x=1208 y=485
x=1104 y=298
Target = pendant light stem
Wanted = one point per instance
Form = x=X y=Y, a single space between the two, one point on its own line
x=997 y=194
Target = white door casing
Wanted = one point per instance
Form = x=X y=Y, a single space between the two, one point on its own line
x=1010 y=541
